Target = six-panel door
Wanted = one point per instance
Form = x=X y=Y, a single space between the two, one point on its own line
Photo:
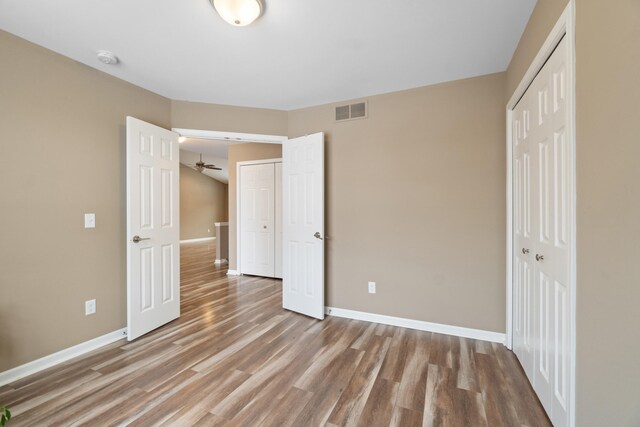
x=542 y=232
x=303 y=225
x=257 y=219
x=153 y=227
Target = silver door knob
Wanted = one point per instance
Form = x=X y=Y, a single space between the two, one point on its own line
x=525 y=251
x=137 y=239
x=539 y=257
x=317 y=235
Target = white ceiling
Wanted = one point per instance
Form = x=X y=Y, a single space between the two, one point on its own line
x=213 y=152
x=299 y=53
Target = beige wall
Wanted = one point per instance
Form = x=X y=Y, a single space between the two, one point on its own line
x=243 y=153
x=543 y=18
x=415 y=201
x=608 y=229
x=608 y=179
x=203 y=201
x=62 y=153
x=194 y=115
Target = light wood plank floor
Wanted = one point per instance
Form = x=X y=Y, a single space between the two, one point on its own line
x=236 y=358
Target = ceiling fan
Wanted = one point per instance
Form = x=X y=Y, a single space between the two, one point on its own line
x=200 y=166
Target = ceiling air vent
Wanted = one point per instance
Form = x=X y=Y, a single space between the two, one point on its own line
x=352 y=111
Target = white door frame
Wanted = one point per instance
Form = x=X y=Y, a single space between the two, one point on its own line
x=230 y=136
x=239 y=199
x=565 y=27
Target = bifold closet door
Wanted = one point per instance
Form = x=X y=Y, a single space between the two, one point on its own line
x=524 y=224
x=257 y=219
x=542 y=235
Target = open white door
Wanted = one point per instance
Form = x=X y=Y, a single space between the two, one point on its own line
x=153 y=227
x=303 y=225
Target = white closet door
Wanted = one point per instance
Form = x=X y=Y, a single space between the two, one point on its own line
x=542 y=203
x=524 y=184
x=552 y=239
x=257 y=222
x=278 y=208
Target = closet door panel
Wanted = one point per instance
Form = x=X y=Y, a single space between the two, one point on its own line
x=524 y=231
x=542 y=167
x=257 y=220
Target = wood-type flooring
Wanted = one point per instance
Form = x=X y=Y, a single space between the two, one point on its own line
x=236 y=358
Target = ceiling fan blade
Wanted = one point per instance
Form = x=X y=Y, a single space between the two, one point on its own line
x=212 y=167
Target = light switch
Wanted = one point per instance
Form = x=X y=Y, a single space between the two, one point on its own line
x=89 y=220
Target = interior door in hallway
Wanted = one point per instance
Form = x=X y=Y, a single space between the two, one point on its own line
x=257 y=217
x=153 y=227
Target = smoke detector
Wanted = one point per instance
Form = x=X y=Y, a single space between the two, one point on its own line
x=107 y=57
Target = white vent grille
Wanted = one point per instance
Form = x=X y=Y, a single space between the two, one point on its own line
x=351 y=111
x=358 y=110
x=342 y=113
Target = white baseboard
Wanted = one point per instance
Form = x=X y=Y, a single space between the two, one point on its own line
x=420 y=325
x=201 y=239
x=61 y=356
x=220 y=261
x=233 y=273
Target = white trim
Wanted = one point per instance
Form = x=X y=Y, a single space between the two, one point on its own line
x=565 y=27
x=420 y=325
x=233 y=273
x=201 y=239
x=509 y=336
x=61 y=356
x=220 y=261
x=239 y=199
x=233 y=137
x=259 y=162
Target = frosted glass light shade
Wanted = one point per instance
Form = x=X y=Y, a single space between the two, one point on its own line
x=238 y=12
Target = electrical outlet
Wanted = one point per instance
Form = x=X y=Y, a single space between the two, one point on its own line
x=89 y=220
x=372 y=287
x=208 y=230
x=89 y=307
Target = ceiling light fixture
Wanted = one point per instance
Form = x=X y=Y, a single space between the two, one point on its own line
x=238 y=12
